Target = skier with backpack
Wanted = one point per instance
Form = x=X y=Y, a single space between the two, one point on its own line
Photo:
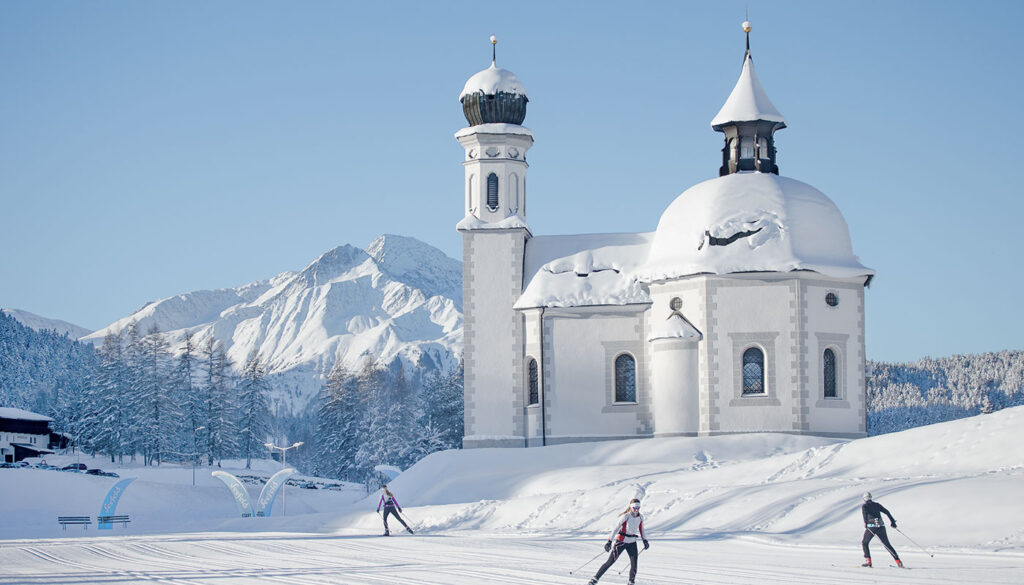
x=875 y=526
x=390 y=505
x=629 y=526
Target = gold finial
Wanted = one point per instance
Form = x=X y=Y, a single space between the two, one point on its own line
x=746 y=26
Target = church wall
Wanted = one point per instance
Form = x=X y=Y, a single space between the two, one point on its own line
x=841 y=329
x=579 y=376
x=493 y=333
x=744 y=312
x=534 y=426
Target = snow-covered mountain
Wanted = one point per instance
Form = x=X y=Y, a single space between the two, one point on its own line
x=397 y=298
x=42 y=323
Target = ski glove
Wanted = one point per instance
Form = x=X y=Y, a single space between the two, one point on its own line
x=647 y=545
x=893 y=524
x=608 y=546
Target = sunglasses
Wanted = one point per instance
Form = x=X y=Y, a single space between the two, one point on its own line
x=635 y=506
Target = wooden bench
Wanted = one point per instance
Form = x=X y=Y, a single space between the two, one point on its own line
x=65 y=520
x=123 y=520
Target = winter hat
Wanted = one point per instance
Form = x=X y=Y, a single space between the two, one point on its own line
x=867 y=496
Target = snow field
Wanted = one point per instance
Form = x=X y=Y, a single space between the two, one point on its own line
x=740 y=509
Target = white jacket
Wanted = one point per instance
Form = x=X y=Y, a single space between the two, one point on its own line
x=628 y=528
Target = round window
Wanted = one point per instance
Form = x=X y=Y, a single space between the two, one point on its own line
x=832 y=299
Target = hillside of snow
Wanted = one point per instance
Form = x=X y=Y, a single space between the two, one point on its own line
x=38 y=323
x=740 y=509
x=397 y=298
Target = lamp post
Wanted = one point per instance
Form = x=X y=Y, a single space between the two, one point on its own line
x=284 y=464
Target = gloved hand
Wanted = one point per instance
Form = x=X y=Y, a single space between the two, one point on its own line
x=647 y=545
x=893 y=524
x=608 y=546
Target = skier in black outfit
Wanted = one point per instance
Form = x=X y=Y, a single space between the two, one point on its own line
x=390 y=504
x=628 y=528
x=874 y=526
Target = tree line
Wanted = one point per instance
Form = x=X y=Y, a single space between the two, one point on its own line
x=132 y=398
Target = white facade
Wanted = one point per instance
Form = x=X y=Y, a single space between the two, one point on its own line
x=743 y=312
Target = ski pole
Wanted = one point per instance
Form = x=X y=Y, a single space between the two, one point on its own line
x=912 y=540
x=623 y=569
x=586 y=563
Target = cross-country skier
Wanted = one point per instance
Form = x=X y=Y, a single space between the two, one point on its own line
x=390 y=505
x=875 y=526
x=628 y=527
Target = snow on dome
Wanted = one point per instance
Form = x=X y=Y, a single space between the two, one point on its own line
x=748 y=102
x=583 y=270
x=491 y=81
x=494 y=128
x=751 y=222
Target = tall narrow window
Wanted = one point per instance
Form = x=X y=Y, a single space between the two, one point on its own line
x=513 y=193
x=625 y=378
x=829 y=374
x=753 y=371
x=492 y=192
x=533 y=381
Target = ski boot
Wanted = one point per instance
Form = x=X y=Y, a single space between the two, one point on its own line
x=410 y=530
x=386 y=533
x=899 y=563
x=867 y=563
x=592 y=582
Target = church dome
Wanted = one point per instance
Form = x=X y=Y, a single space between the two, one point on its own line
x=494 y=95
x=751 y=222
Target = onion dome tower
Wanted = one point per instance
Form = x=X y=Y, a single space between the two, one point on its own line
x=749 y=121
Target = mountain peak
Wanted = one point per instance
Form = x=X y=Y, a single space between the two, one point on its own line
x=333 y=263
x=419 y=264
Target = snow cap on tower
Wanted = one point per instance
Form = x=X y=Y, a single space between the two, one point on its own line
x=494 y=95
x=748 y=101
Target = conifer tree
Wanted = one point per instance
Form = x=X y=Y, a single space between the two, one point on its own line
x=253 y=427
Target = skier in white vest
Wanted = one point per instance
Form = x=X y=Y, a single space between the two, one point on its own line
x=628 y=528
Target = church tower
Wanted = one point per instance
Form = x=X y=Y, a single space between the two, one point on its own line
x=494 y=235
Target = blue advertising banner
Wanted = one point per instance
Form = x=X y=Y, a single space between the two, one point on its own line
x=266 y=501
x=110 y=502
x=237 y=490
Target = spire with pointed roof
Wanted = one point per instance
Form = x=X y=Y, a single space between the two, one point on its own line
x=749 y=121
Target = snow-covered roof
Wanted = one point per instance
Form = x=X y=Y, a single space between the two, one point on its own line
x=748 y=102
x=492 y=80
x=675 y=327
x=583 y=270
x=751 y=222
x=19 y=414
x=494 y=128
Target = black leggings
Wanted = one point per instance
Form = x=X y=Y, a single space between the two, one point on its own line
x=388 y=512
x=880 y=533
x=617 y=549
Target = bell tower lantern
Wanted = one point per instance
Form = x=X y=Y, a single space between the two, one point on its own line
x=749 y=121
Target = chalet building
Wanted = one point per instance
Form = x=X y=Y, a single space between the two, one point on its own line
x=23 y=434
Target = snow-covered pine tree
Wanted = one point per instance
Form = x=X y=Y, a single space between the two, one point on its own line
x=158 y=416
x=443 y=407
x=192 y=400
x=338 y=428
x=221 y=407
x=253 y=426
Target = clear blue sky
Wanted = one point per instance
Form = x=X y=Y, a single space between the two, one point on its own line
x=153 y=148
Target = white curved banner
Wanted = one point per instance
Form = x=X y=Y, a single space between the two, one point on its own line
x=237 y=490
x=266 y=501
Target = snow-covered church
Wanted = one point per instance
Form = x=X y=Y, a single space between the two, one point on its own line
x=743 y=312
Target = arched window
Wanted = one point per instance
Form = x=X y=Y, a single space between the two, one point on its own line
x=829 y=373
x=492 y=192
x=533 y=381
x=625 y=378
x=753 y=371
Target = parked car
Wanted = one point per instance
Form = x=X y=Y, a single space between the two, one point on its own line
x=22 y=464
x=6 y=465
x=74 y=467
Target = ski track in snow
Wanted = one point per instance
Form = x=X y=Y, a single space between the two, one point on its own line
x=464 y=559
